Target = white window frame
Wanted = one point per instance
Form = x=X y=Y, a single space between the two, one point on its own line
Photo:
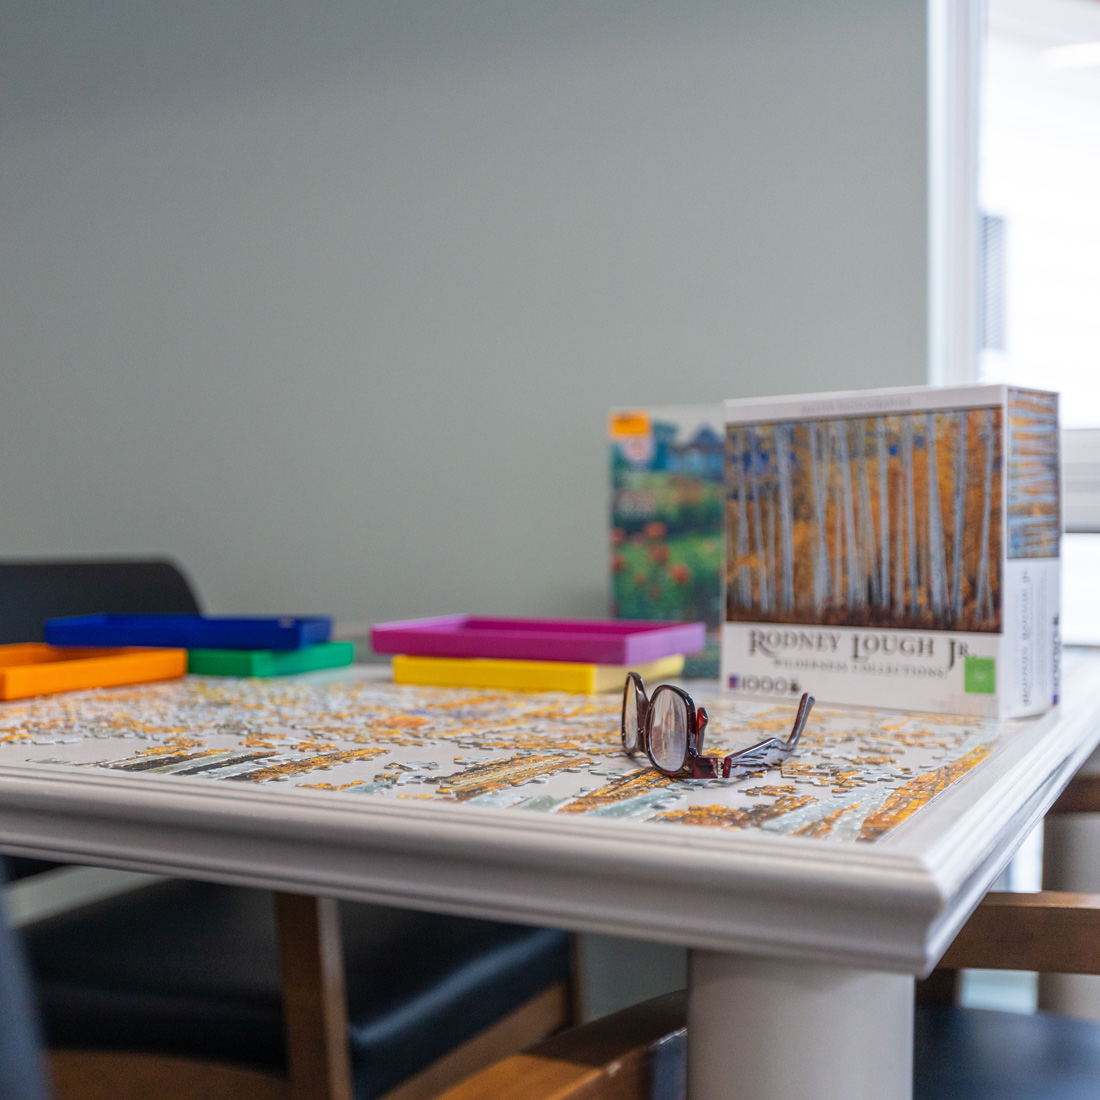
x=955 y=30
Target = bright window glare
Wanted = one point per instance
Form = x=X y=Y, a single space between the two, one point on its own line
x=1040 y=172
x=1081 y=55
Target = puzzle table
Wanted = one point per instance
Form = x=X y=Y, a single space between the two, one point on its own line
x=810 y=894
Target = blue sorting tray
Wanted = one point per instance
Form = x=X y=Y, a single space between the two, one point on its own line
x=189 y=631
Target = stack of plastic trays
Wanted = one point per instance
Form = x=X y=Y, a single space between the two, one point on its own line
x=216 y=645
x=571 y=655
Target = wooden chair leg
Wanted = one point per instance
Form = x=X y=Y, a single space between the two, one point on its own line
x=314 y=997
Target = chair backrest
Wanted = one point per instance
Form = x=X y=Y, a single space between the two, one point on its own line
x=636 y=1054
x=33 y=591
x=22 y=1076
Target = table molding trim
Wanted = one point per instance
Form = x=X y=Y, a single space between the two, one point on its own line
x=676 y=884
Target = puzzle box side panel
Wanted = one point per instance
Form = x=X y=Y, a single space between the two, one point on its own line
x=1032 y=568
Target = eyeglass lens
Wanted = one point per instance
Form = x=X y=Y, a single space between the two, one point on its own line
x=668 y=731
x=630 y=716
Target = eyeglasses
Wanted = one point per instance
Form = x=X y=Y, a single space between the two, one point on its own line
x=669 y=728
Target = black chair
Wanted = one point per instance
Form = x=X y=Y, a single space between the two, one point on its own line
x=179 y=988
x=190 y=972
x=22 y=1074
x=982 y=1054
x=33 y=591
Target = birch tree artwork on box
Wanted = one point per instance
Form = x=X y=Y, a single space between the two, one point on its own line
x=885 y=519
x=843 y=520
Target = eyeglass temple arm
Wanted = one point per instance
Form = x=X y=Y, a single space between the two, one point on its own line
x=804 y=707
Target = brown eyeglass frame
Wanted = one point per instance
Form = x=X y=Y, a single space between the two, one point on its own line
x=696 y=765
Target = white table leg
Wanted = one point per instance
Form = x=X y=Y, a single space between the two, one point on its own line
x=766 y=1029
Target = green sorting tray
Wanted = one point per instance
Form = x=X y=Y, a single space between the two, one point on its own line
x=270 y=662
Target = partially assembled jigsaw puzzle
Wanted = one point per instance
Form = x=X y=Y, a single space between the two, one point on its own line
x=857 y=775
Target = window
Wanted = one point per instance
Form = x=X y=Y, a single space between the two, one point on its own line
x=1039 y=184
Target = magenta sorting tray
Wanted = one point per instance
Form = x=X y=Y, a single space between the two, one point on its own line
x=591 y=641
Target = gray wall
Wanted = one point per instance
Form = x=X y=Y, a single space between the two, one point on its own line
x=329 y=299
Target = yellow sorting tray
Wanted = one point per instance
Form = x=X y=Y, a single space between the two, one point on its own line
x=485 y=672
x=31 y=668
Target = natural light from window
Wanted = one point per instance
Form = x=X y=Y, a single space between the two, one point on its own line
x=1040 y=197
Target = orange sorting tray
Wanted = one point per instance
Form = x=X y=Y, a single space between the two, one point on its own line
x=31 y=668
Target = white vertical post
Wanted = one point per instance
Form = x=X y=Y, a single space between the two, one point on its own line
x=954 y=103
x=767 y=1029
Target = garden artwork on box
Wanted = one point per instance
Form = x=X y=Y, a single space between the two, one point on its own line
x=893 y=519
x=666 y=519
